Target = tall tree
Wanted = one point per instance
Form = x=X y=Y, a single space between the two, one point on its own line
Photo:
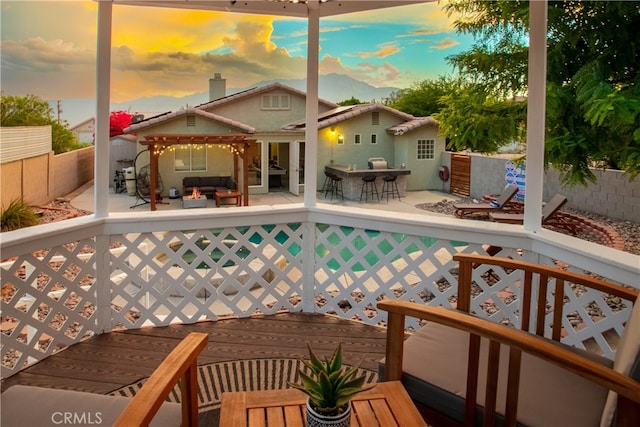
x=32 y=111
x=593 y=98
x=424 y=98
x=474 y=118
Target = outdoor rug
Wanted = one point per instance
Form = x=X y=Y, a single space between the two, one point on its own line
x=240 y=375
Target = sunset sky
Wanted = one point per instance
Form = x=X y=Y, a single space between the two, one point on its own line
x=48 y=48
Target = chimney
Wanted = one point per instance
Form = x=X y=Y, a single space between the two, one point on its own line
x=217 y=87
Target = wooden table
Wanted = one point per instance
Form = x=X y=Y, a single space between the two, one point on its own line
x=387 y=404
x=233 y=194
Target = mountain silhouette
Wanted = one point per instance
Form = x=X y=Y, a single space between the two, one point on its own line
x=331 y=87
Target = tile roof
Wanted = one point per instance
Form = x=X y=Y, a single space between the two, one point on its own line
x=402 y=128
x=343 y=113
x=258 y=90
x=153 y=121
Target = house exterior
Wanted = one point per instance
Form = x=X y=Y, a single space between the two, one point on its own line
x=350 y=135
x=274 y=116
x=85 y=131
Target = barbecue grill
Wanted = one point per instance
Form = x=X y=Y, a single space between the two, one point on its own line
x=378 y=163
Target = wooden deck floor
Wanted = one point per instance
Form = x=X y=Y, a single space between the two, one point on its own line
x=109 y=361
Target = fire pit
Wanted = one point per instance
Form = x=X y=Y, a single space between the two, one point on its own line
x=194 y=200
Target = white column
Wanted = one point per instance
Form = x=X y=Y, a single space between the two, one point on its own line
x=103 y=90
x=311 y=118
x=101 y=164
x=536 y=114
x=311 y=155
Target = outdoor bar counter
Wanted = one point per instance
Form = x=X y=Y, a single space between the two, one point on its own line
x=352 y=179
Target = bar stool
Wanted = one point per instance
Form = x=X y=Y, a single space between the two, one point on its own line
x=390 y=186
x=336 y=186
x=369 y=188
x=326 y=185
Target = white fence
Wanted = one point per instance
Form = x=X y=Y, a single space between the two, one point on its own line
x=62 y=283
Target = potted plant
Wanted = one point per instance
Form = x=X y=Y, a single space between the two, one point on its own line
x=329 y=387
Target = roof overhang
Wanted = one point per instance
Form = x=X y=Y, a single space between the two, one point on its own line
x=291 y=8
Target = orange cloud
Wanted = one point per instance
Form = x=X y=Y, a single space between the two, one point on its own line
x=445 y=44
x=385 y=51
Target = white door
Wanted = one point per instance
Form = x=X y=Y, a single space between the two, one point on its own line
x=295 y=168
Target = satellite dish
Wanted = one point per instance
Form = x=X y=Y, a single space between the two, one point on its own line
x=137 y=118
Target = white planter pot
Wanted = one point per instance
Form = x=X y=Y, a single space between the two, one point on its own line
x=320 y=420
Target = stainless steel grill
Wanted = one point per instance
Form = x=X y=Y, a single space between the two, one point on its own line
x=378 y=163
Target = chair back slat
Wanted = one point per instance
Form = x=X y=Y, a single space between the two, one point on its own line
x=525 y=307
x=513 y=387
x=541 y=304
x=464 y=287
x=491 y=393
x=473 y=369
x=558 y=301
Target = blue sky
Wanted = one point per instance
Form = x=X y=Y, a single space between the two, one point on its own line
x=48 y=48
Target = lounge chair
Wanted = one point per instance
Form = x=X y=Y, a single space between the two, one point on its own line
x=503 y=201
x=548 y=212
x=460 y=368
x=40 y=406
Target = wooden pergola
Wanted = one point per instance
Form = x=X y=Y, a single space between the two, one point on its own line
x=238 y=144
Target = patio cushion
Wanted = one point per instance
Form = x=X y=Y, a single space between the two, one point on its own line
x=213 y=181
x=27 y=406
x=549 y=396
x=190 y=182
x=627 y=360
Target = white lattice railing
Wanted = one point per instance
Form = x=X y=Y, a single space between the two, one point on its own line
x=86 y=276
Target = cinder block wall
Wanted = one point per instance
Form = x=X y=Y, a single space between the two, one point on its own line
x=40 y=179
x=72 y=170
x=613 y=195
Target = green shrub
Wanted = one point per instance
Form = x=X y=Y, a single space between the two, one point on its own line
x=18 y=215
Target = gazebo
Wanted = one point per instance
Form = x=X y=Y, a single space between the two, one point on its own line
x=238 y=143
x=87 y=276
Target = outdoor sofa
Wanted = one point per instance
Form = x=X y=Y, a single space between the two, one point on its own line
x=208 y=185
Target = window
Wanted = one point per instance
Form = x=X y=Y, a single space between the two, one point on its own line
x=426 y=149
x=191 y=119
x=358 y=139
x=375 y=118
x=190 y=158
x=274 y=101
x=374 y=138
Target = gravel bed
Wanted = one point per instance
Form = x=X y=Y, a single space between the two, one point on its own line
x=628 y=230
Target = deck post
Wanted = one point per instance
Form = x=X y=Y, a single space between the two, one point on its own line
x=536 y=115
x=103 y=91
x=308 y=267
x=311 y=120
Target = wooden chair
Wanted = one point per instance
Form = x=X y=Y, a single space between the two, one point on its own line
x=548 y=212
x=18 y=408
x=464 y=370
x=463 y=210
